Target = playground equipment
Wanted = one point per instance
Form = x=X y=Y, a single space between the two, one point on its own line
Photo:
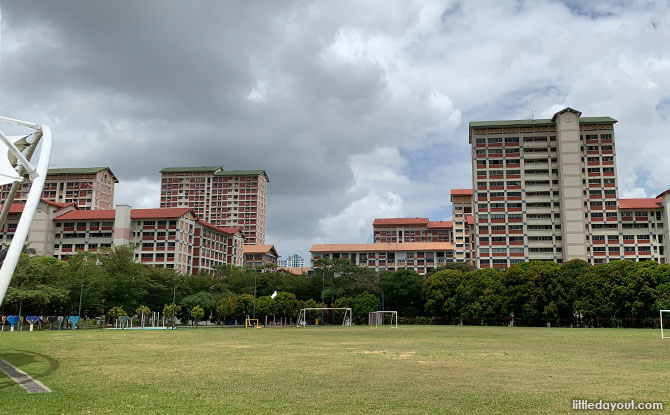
x=14 y=164
x=12 y=322
x=123 y=322
x=74 y=320
x=32 y=320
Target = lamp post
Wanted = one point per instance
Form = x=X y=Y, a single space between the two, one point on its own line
x=81 y=286
x=255 y=273
x=174 y=302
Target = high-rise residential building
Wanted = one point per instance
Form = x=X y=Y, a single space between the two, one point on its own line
x=233 y=198
x=546 y=189
x=461 y=203
x=87 y=187
x=291 y=261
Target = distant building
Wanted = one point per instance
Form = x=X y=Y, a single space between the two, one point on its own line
x=291 y=261
x=170 y=238
x=234 y=198
x=543 y=190
x=259 y=255
x=421 y=257
x=89 y=188
x=401 y=230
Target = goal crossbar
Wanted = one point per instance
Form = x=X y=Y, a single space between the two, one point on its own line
x=661 y=321
x=302 y=315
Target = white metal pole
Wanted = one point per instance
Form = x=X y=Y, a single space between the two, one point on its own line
x=661 y=313
x=22 y=229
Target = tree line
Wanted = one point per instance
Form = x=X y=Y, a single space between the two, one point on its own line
x=573 y=294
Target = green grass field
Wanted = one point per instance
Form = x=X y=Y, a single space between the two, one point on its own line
x=412 y=369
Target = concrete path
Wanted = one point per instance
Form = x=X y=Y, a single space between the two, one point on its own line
x=22 y=378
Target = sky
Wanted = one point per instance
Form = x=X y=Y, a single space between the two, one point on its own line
x=356 y=109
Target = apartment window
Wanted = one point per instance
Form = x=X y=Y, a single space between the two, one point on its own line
x=495 y=140
x=480 y=141
x=512 y=140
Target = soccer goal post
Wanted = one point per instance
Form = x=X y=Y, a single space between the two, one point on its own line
x=663 y=336
x=379 y=318
x=251 y=322
x=346 y=319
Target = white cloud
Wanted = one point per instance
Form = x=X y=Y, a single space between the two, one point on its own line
x=356 y=109
x=141 y=193
x=354 y=223
x=636 y=193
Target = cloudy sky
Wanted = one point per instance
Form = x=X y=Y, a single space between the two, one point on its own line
x=356 y=109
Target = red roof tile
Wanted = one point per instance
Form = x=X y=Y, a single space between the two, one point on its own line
x=226 y=230
x=440 y=224
x=15 y=207
x=158 y=213
x=296 y=270
x=375 y=247
x=649 y=203
x=400 y=221
x=461 y=192
x=260 y=249
x=58 y=204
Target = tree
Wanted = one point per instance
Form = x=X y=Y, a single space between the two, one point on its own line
x=287 y=304
x=203 y=299
x=226 y=307
x=244 y=305
x=365 y=303
x=401 y=291
x=170 y=309
x=437 y=289
x=116 y=312
x=265 y=306
x=197 y=313
x=34 y=287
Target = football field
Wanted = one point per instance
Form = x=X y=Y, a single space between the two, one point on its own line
x=411 y=369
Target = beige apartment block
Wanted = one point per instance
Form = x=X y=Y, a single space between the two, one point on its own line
x=543 y=188
x=399 y=230
x=421 y=257
x=87 y=187
x=225 y=198
x=260 y=255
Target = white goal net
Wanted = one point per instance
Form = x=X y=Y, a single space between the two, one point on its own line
x=309 y=316
x=18 y=141
x=381 y=318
